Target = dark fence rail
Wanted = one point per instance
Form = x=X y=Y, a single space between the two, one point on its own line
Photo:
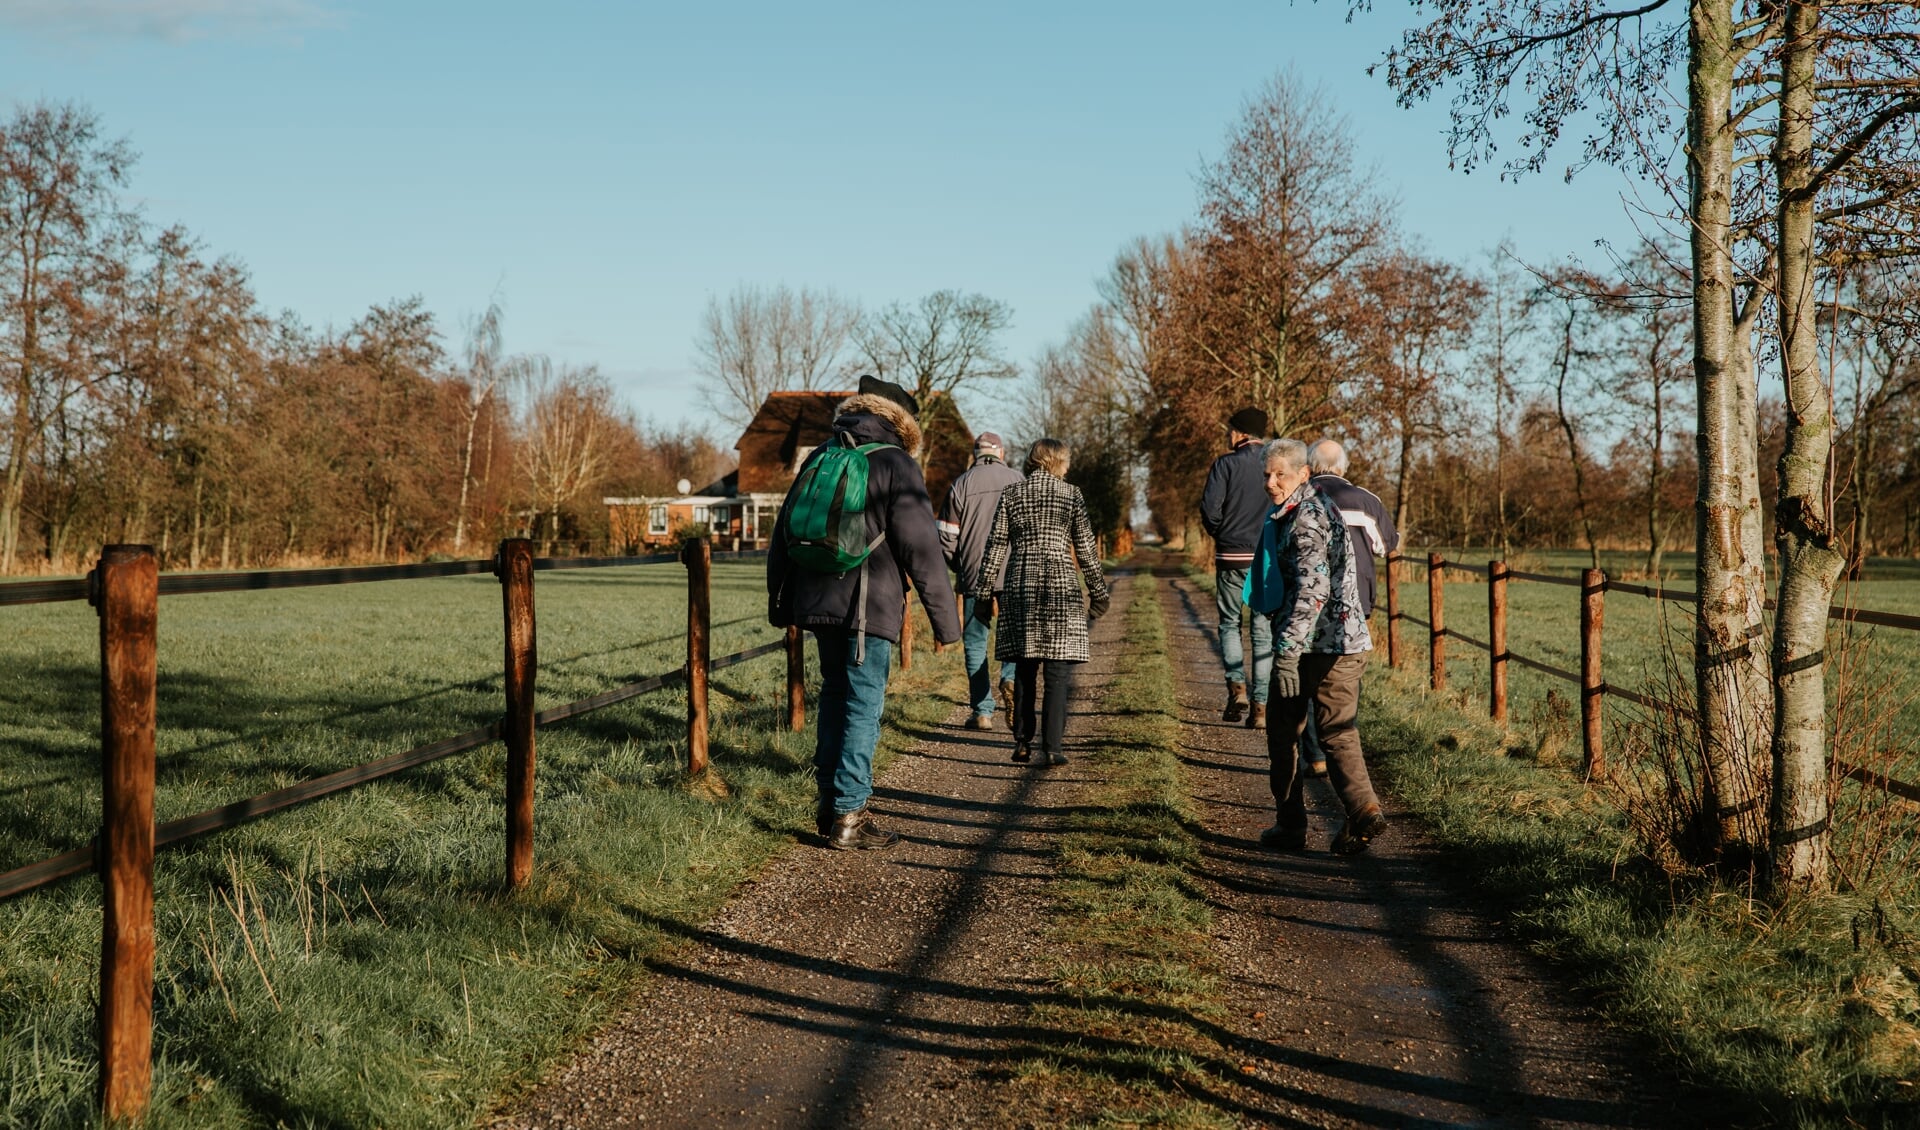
x=252 y=580
x=1594 y=584
x=125 y=590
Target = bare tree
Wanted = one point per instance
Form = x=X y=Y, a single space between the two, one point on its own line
x=1415 y=313
x=480 y=357
x=760 y=340
x=1288 y=213
x=944 y=342
x=1571 y=58
x=569 y=421
x=58 y=215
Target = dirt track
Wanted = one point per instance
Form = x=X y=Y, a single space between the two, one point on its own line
x=853 y=989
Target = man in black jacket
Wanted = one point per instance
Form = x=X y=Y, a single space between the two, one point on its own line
x=1233 y=510
x=853 y=686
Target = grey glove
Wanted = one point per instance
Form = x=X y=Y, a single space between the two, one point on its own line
x=1098 y=606
x=1286 y=676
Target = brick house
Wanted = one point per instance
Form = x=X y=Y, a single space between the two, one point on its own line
x=745 y=503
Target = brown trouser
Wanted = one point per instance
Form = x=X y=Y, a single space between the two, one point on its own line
x=1331 y=683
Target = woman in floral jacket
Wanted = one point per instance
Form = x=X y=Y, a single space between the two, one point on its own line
x=1042 y=534
x=1304 y=577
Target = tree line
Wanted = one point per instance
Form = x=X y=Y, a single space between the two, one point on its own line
x=148 y=397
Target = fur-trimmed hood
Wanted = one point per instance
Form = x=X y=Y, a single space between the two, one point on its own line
x=898 y=418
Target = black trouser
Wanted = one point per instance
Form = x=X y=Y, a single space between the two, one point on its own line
x=1059 y=673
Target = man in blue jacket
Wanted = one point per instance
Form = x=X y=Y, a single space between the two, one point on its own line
x=1232 y=510
x=853 y=685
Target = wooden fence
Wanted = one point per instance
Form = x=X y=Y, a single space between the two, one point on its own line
x=125 y=589
x=1594 y=689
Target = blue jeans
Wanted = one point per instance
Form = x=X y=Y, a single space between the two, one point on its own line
x=848 y=726
x=1227 y=584
x=973 y=641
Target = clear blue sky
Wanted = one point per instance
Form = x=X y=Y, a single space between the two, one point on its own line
x=608 y=167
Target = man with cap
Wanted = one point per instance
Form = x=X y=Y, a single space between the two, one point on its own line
x=965 y=523
x=1233 y=510
x=856 y=651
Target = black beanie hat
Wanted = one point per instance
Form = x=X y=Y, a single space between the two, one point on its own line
x=1252 y=421
x=874 y=386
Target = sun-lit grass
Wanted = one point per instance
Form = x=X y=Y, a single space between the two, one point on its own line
x=355 y=962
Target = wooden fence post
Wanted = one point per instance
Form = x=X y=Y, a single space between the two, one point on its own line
x=126 y=592
x=1436 y=616
x=1593 y=688
x=698 y=556
x=1393 y=609
x=514 y=565
x=796 y=679
x=1497 y=640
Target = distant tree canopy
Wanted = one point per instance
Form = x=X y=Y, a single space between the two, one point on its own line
x=148 y=398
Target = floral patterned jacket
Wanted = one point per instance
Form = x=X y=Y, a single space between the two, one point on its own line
x=1304 y=577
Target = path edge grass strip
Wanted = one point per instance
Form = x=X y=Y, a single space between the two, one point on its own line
x=1130 y=930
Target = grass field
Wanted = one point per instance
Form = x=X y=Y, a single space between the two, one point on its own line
x=355 y=962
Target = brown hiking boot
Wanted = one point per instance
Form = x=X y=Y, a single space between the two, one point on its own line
x=979 y=721
x=1359 y=831
x=856 y=831
x=1257 y=717
x=1236 y=702
x=1284 y=837
x=1006 y=696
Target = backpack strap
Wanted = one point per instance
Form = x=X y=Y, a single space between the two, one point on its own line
x=860 y=603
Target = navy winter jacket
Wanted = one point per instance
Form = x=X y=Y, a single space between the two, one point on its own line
x=1234 y=506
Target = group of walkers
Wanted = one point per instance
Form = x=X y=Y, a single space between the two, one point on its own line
x=1294 y=543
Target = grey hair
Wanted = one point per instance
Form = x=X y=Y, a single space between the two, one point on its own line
x=1290 y=452
x=1328 y=457
x=1050 y=455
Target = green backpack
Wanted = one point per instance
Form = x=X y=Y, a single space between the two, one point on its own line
x=826 y=530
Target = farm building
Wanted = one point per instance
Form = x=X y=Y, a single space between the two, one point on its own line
x=745 y=503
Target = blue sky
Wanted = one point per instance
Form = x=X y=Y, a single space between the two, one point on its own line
x=608 y=167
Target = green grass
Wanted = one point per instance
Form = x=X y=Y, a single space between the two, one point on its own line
x=1135 y=995
x=355 y=962
x=1806 y=1013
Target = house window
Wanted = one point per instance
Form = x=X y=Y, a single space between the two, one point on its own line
x=700 y=516
x=657 y=518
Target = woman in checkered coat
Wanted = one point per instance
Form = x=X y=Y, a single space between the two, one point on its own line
x=1042 y=533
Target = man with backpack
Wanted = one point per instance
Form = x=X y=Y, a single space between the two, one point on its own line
x=966 y=521
x=855 y=525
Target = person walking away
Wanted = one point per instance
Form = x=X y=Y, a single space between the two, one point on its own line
x=1306 y=577
x=966 y=521
x=1044 y=541
x=855 y=611
x=1232 y=507
x=1369 y=527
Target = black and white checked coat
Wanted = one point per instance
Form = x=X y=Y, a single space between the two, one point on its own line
x=1039 y=531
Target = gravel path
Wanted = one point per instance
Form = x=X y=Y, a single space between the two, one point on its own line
x=887 y=989
x=859 y=988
